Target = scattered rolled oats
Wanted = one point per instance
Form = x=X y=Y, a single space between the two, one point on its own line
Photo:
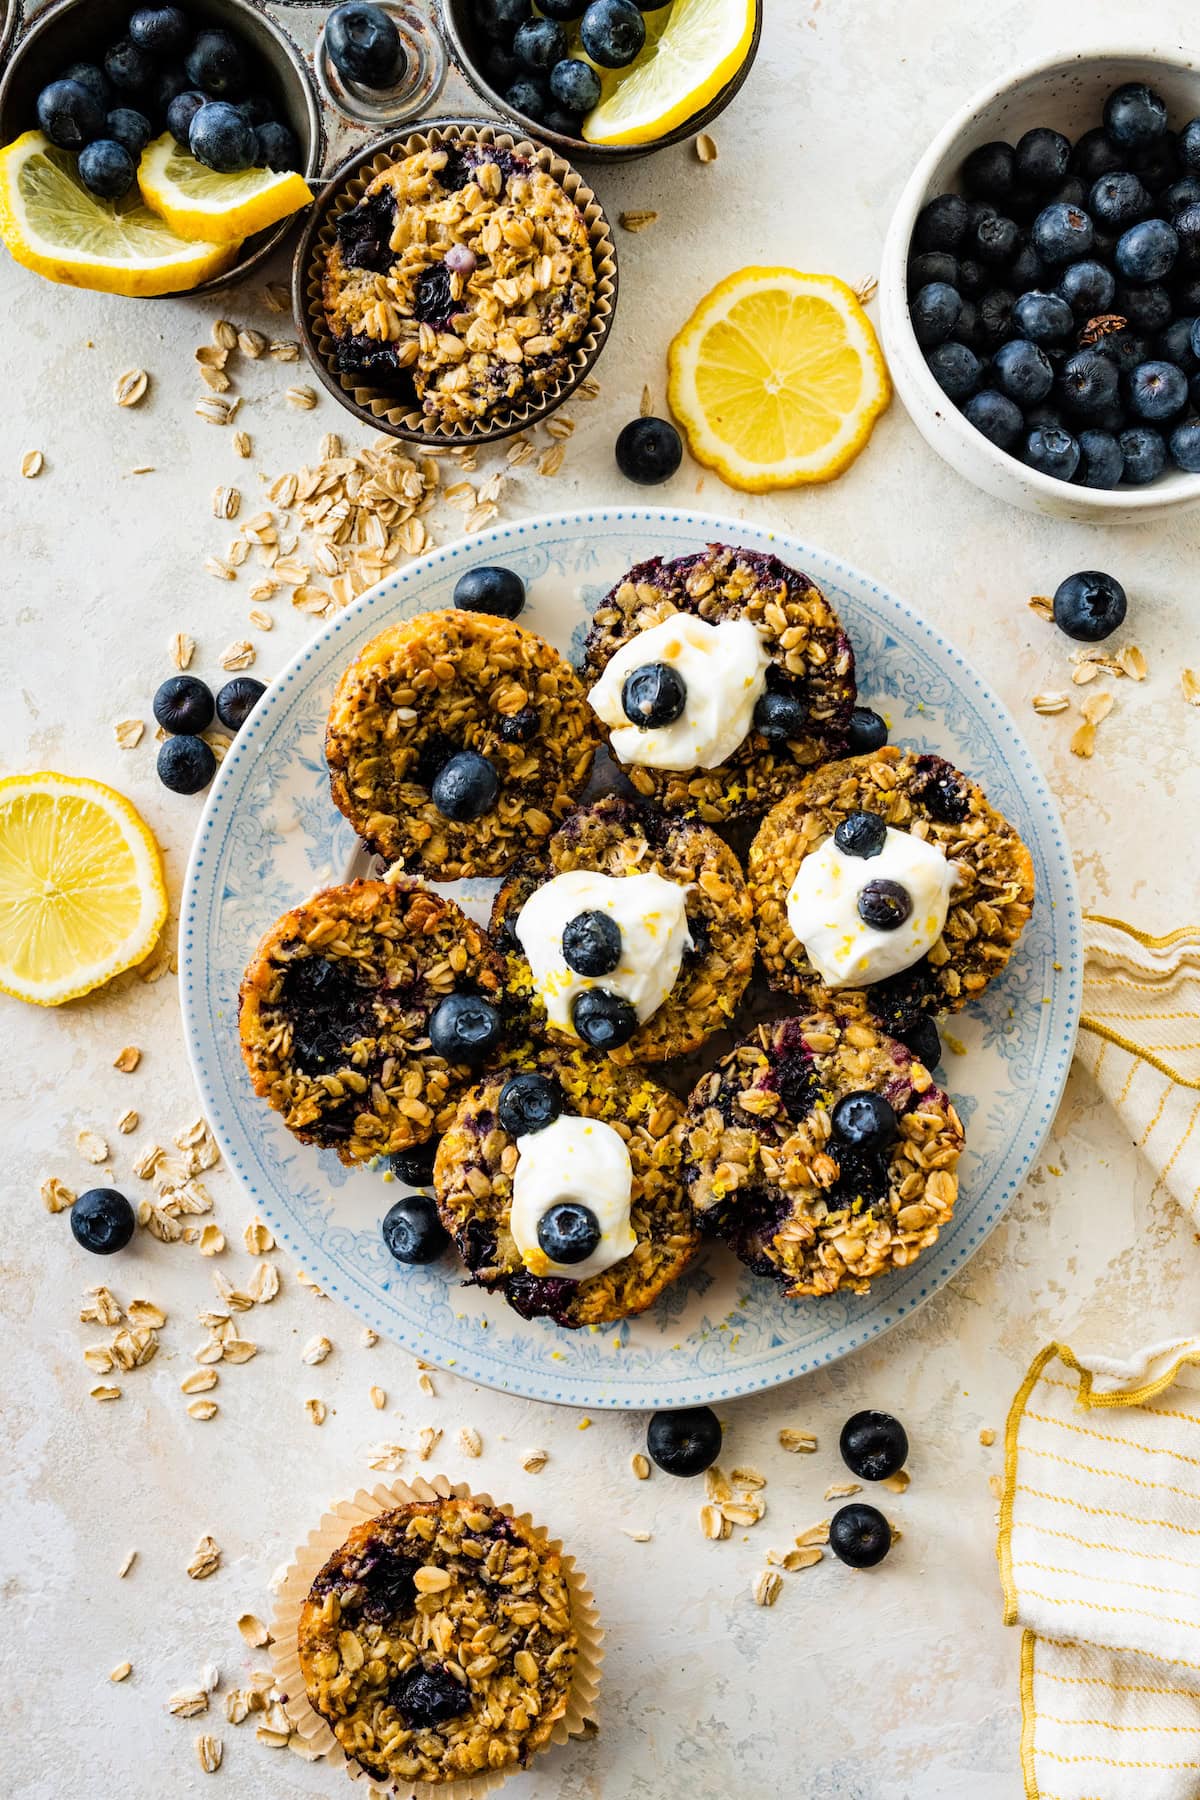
x=252 y=343
x=767 y=1587
x=130 y=388
x=706 y=149
x=716 y=1487
x=32 y=464
x=805 y=1558
x=866 y=290
x=428 y=1438
x=713 y=1523
x=799 y=1443
x=316 y=1350
x=1083 y=741
x=316 y=1411
x=130 y=1559
x=212 y=1242
x=127 y=1122
x=995 y=1487
x=748 y=1477
x=276 y=298
x=639 y=1537
x=470 y=1442
x=260 y=620
x=92 y=1146
x=1085 y=671
x=187 y=1703
x=1097 y=707
x=122 y=1672
x=56 y=1195
x=640 y=1465
x=265 y=1284
x=105 y=1393
x=303 y=398
x=815 y=1534
x=129 y=733
x=637 y=219
x=898 y=1483
x=127 y=1059
x=215 y=410
x=378 y=1399
x=226 y=502
x=103 y=1309
x=209 y=1750
x=224 y=334
x=387 y=1457
x=987 y=1437
x=288 y=351
x=841 y=1490
x=1189 y=682
x=534 y=1461
x=241 y=443
x=220 y=571
x=1054 y=702
x=206 y=1559
x=1132 y=662
x=199 y=1381
x=254 y=1631
x=551 y=460
x=744 y=1512
x=425 y=1382
x=203 y=1410
x=1042 y=605
x=368 y=1338
x=238 y=655
x=257 y=1237
x=239 y=1350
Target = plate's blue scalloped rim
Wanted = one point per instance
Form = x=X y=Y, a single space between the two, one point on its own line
x=760 y=1340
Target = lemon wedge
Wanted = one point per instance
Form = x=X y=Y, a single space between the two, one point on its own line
x=777 y=378
x=197 y=203
x=684 y=63
x=81 y=887
x=52 y=225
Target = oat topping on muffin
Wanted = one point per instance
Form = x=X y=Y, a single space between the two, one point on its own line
x=464 y=278
x=438 y=1642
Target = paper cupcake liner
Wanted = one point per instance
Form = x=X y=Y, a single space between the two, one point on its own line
x=311 y=1556
x=374 y=405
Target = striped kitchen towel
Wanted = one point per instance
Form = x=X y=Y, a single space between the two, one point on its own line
x=1140 y=1039
x=1100 y=1562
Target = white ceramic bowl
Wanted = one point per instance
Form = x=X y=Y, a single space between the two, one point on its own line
x=1067 y=92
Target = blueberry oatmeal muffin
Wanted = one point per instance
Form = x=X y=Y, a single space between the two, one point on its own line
x=437 y=1642
x=720 y=677
x=560 y=1181
x=641 y=922
x=823 y=1153
x=454 y=740
x=889 y=880
x=462 y=280
x=364 y=1014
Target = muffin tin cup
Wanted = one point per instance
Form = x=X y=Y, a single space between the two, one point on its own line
x=311 y=1556
x=375 y=406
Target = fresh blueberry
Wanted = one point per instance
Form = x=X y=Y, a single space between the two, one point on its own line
x=1118 y=200
x=180 y=113
x=955 y=368
x=968 y=332
x=932 y=265
x=1095 y=154
x=129 y=69
x=996 y=416
x=994 y=240
x=973 y=278
x=1134 y=115
x=221 y=139
x=275 y=146
x=780 y=718
x=161 y=30
x=1189 y=145
x=426 y=1698
x=1144 y=309
x=995 y=315
x=364 y=45
x=1071 y=192
x=575 y=85
x=1187 y=230
x=1124 y=348
x=185 y=764
x=415 y=1166
x=884 y=905
x=412 y=1230
x=565 y=11
x=603 y=1020
x=539 y=44
x=1184 y=445
x=106 y=168
x=653 y=695
x=859 y=1535
x=167 y=83
x=1061 y=233
x=90 y=76
x=237 y=700
x=501 y=67
x=216 y=65
x=1147 y=251
x=1156 y=391
x=1051 y=451
x=1026 y=269
x=1145 y=454
x=1023 y=372
x=102 y=1221
x=1042 y=158
x=129 y=128
x=591 y=943
x=529 y=1103
x=1158 y=164
x=685 y=1442
x=1089 y=606
x=1180 y=195
x=525 y=95
x=1087 y=383
x=988 y=172
x=465 y=787
x=558 y=119
x=942 y=223
x=612 y=32
x=864 y=1120
x=463 y=1028
x=1046 y=415
x=861 y=834
x=184 y=703
x=934 y=312
x=923 y=1041
x=499 y=592
x=874 y=1445
x=1044 y=318
x=568 y=1232
x=868 y=731
x=1100 y=460
x=1087 y=287
x=648 y=451
x=499 y=19
x=69 y=114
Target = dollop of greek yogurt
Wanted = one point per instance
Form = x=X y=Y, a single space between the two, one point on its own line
x=822 y=908
x=724 y=670
x=650 y=914
x=579 y=1160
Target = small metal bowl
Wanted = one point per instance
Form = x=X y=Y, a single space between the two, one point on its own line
x=374 y=408
x=469 y=48
x=70 y=30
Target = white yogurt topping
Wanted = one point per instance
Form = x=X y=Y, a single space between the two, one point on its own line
x=648 y=909
x=724 y=669
x=579 y=1160
x=822 y=908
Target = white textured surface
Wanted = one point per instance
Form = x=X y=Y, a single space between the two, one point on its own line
x=899 y=1685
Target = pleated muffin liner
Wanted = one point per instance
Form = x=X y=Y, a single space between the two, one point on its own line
x=311 y=1556
x=375 y=406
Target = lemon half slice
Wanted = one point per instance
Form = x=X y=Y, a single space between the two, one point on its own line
x=777 y=378
x=198 y=203
x=683 y=65
x=53 y=226
x=81 y=887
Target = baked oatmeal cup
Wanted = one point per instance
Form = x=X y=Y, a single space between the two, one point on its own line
x=438 y=1641
x=560 y=1180
x=455 y=740
x=341 y=1007
x=647 y=915
x=823 y=1153
x=720 y=678
x=888 y=882
x=462 y=281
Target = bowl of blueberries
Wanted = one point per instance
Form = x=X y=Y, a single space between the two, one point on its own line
x=1040 y=288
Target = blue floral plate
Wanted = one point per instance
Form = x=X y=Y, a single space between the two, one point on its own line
x=270 y=835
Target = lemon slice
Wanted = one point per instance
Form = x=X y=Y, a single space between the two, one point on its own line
x=81 y=887
x=687 y=61
x=198 y=203
x=777 y=378
x=53 y=226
